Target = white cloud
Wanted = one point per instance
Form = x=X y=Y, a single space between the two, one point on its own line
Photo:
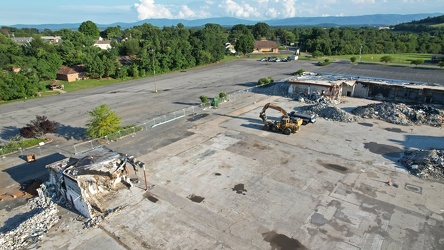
x=148 y=9
x=96 y=8
x=186 y=12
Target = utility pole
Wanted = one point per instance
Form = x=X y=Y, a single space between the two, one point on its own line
x=154 y=70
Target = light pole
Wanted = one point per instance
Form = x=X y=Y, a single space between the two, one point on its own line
x=154 y=71
x=360 y=50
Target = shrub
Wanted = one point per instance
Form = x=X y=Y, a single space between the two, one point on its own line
x=299 y=72
x=222 y=95
x=353 y=59
x=203 y=99
x=265 y=80
x=324 y=63
x=39 y=127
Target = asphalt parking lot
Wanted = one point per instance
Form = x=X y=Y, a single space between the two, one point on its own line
x=221 y=182
x=228 y=184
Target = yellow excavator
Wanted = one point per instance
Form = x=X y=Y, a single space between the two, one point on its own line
x=286 y=125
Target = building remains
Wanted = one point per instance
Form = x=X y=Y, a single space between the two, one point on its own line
x=86 y=180
x=334 y=87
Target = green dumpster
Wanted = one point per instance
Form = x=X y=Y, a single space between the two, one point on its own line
x=215 y=102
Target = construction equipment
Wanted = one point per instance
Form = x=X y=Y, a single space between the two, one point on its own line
x=286 y=125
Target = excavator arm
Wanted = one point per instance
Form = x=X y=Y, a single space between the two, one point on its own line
x=262 y=114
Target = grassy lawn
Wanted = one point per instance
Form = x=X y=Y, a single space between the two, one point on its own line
x=397 y=58
x=88 y=84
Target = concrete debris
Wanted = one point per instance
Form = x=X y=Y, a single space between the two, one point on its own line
x=330 y=112
x=402 y=114
x=425 y=163
x=314 y=98
x=43 y=216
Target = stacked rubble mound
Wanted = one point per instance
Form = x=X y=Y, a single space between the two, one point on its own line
x=44 y=216
x=314 y=98
x=330 y=112
x=425 y=163
x=402 y=114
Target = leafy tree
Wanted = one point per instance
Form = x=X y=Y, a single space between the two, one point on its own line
x=103 y=121
x=353 y=59
x=245 y=44
x=416 y=62
x=441 y=64
x=386 y=59
x=39 y=127
x=261 y=30
x=89 y=29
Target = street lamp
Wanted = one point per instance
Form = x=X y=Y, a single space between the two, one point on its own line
x=154 y=71
x=360 y=50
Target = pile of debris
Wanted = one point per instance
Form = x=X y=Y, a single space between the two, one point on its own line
x=402 y=114
x=330 y=112
x=425 y=163
x=44 y=216
x=314 y=98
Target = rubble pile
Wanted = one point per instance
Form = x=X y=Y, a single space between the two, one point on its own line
x=314 y=98
x=402 y=114
x=330 y=112
x=425 y=163
x=44 y=216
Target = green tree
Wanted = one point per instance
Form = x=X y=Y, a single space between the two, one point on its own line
x=89 y=29
x=353 y=59
x=261 y=30
x=386 y=59
x=441 y=64
x=103 y=121
x=416 y=62
x=245 y=44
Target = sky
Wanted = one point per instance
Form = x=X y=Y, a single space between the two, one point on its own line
x=127 y=11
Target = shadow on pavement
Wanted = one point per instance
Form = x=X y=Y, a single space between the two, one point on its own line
x=71 y=133
x=8 y=131
x=33 y=170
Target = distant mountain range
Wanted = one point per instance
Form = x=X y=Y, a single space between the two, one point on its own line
x=328 y=21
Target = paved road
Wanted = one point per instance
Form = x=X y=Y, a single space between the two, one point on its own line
x=135 y=101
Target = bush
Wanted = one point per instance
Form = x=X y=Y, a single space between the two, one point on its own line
x=39 y=127
x=299 y=72
x=222 y=95
x=353 y=59
x=265 y=80
x=16 y=142
x=324 y=63
x=203 y=99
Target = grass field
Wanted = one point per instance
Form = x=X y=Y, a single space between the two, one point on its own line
x=397 y=58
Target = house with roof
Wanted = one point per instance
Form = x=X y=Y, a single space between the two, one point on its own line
x=103 y=44
x=71 y=74
x=265 y=46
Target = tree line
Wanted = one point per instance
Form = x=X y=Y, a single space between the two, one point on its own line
x=150 y=49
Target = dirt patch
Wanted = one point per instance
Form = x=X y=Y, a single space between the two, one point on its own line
x=239 y=189
x=283 y=242
x=334 y=167
x=383 y=149
x=197 y=117
x=195 y=198
x=31 y=186
x=395 y=130
x=150 y=197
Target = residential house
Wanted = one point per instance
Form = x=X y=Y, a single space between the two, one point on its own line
x=103 y=44
x=71 y=74
x=265 y=46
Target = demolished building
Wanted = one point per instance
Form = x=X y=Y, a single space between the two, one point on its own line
x=85 y=180
x=335 y=86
